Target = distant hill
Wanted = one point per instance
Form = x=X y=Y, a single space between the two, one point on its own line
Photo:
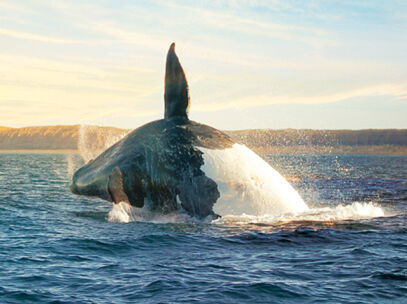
x=262 y=141
x=55 y=137
x=385 y=141
x=50 y=137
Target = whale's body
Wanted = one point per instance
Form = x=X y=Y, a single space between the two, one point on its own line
x=160 y=165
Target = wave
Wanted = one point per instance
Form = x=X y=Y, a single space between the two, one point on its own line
x=354 y=211
x=252 y=191
x=124 y=213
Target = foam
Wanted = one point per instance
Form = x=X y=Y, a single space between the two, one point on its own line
x=354 y=211
x=251 y=192
x=248 y=184
x=125 y=213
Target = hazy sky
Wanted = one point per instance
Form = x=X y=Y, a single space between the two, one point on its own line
x=250 y=64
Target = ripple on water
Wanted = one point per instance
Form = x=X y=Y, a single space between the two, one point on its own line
x=58 y=248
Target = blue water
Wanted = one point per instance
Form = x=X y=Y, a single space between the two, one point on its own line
x=59 y=248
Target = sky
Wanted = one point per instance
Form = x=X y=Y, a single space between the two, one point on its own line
x=249 y=64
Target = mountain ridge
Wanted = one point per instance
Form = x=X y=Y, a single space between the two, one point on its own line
x=71 y=137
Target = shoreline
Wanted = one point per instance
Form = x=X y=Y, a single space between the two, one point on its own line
x=309 y=149
x=298 y=149
x=39 y=151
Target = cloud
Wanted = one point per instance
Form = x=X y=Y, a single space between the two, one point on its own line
x=252 y=26
x=36 y=91
x=24 y=71
x=14 y=7
x=397 y=91
x=109 y=61
x=37 y=37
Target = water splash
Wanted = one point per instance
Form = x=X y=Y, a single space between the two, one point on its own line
x=248 y=184
x=93 y=140
x=354 y=211
x=251 y=192
x=70 y=165
x=125 y=213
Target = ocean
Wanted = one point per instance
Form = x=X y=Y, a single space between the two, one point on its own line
x=349 y=247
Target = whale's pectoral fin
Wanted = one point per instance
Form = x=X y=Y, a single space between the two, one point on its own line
x=115 y=186
x=198 y=195
x=176 y=94
x=122 y=188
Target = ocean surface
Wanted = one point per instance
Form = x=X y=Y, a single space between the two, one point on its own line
x=350 y=247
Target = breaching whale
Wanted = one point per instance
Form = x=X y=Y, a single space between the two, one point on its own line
x=162 y=166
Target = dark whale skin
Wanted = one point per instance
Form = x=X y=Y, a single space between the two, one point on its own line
x=156 y=163
x=159 y=164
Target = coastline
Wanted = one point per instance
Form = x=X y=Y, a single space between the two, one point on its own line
x=309 y=149
x=295 y=149
x=40 y=151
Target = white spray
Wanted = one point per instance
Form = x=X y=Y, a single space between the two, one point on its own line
x=93 y=140
x=251 y=190
x=248 y=184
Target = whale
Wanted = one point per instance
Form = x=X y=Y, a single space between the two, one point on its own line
x=164 y=166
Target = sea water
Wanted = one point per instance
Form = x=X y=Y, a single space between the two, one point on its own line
x=349 y=245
